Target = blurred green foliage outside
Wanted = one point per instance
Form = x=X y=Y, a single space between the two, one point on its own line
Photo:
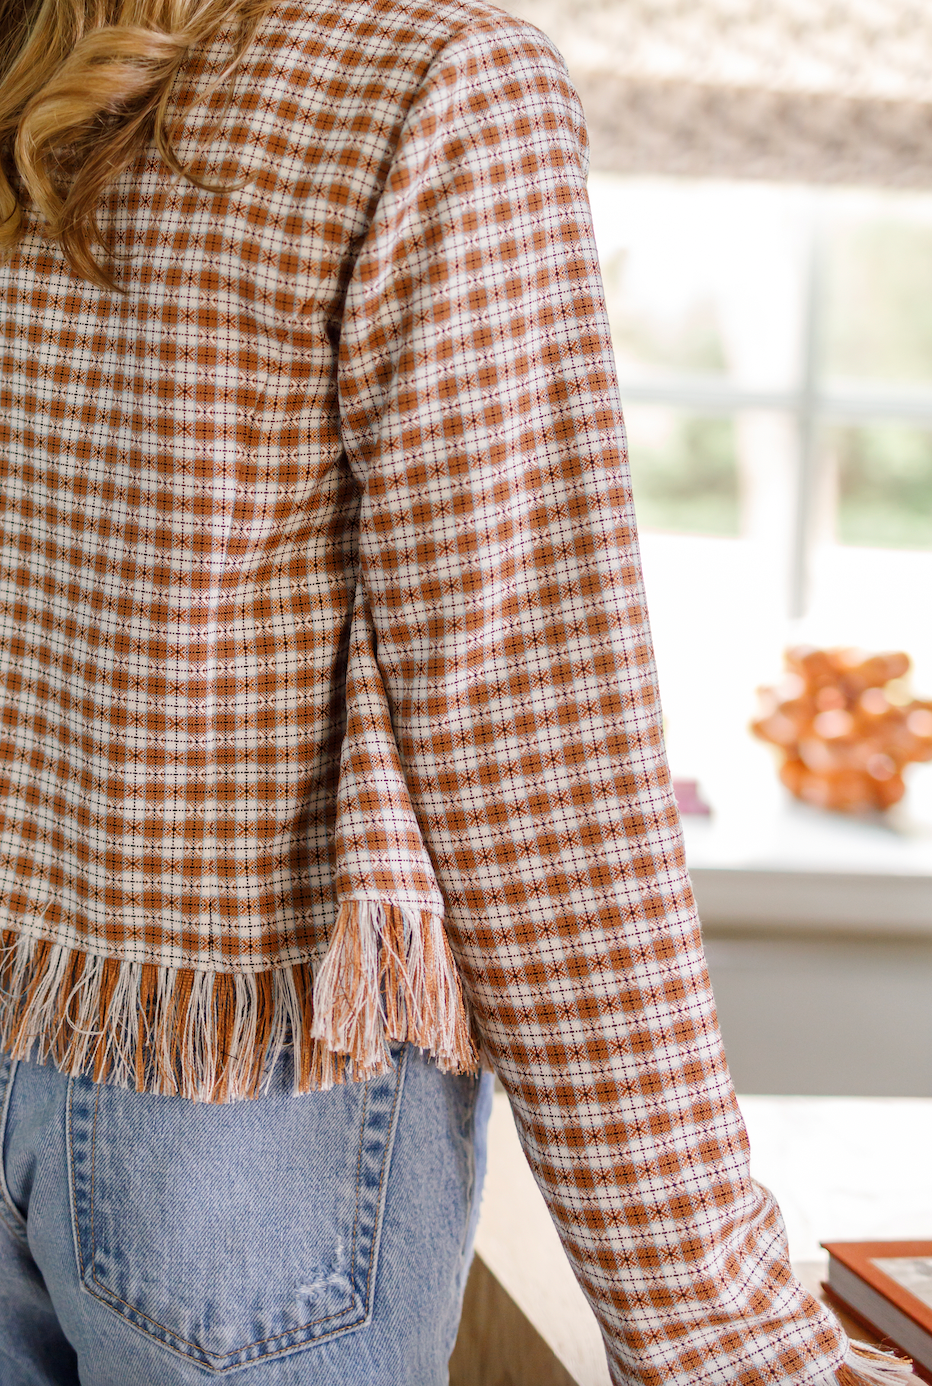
x=884 y=485
x=684 y=471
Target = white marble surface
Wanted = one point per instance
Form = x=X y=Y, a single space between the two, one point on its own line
x=844 y=1168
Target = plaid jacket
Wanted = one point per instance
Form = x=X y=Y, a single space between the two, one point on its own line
x=320 y=588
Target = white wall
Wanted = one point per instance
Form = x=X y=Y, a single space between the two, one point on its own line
x=810 y=1015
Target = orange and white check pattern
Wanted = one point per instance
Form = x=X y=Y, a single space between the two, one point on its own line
x=352 y=424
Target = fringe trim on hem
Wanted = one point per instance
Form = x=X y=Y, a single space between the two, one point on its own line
x=389 y=975
x=868 y=1366
x=216 y=1036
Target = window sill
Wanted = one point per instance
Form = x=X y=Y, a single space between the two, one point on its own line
x=776 y=865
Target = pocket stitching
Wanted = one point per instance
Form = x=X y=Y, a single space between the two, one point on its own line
x=389 y=1143
x=108 y=1296
x=76 y=1231
x=12 y=1217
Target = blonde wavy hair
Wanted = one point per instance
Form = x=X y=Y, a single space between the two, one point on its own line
x=84 y=88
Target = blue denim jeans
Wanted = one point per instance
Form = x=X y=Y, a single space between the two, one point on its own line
x=319 y=1240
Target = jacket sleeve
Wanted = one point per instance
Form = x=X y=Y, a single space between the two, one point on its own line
x=499 y=562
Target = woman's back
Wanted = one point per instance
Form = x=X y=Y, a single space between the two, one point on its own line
x=180 y=513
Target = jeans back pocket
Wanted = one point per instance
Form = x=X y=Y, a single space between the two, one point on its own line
x=238 y=1232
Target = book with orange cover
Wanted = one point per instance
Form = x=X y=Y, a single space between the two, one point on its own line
x=888 y=1287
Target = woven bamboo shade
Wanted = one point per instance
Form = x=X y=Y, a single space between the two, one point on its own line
x=806 y=90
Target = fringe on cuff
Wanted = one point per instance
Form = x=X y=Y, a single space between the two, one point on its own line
x=215 y=1036
x=868 y=1366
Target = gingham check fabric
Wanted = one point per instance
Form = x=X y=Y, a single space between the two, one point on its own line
x=320 y=583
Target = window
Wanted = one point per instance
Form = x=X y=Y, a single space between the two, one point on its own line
x=774 y=350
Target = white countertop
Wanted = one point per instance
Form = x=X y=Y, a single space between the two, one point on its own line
x=842 y=1168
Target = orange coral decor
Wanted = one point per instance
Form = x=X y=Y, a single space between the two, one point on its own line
x=845 y=727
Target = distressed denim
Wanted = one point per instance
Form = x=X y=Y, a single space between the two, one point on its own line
x=315 y=1240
